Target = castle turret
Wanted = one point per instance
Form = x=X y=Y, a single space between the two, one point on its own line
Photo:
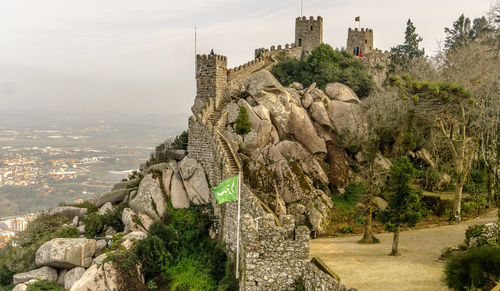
x=211 y=79
x=308 y=33
x=359 y=42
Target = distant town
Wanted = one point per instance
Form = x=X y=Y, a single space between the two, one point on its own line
x=10 y=227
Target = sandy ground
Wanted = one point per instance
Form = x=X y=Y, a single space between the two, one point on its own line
x=368 y=267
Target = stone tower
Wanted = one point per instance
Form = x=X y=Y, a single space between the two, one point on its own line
x=211 y=79
x=359 y=42
x=308 y=33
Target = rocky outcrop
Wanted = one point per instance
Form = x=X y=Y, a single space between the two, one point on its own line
x=341 y=92
x=111 y=197
x=43 y=273
x=178 y=194
x=149 y=199
x=105 y=208
x=129 y=218
x=195 y=182
x=66 y=253
x=131 y=238
x=72 y=276
x=98 y=277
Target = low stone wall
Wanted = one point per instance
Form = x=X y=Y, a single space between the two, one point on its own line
x=315 y=279
x=273 y=258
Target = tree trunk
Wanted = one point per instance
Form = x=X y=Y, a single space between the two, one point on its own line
x=368 y=236
x=457 y=203
x=395 y=243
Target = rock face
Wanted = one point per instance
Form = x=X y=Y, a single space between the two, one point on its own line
x=112 y=197
x=97 y=277
x=72 y=276
x=178 y=194
x=128 y=217
x=44 y=273
x=341 y=92
x=195 y=181
x=344 y=116
x=149 y=198
x=425 y=156
x=66 y=253
x=105 y=208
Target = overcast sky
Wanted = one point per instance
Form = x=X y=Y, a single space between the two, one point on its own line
x=138 y=56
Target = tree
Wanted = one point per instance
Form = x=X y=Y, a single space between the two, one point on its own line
x=403 y=54
x=243 y=124
x=325 y=65
x=451 y=106
x=464 y=31
x=404 y=202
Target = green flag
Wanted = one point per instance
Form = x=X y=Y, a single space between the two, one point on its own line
x=227 y=190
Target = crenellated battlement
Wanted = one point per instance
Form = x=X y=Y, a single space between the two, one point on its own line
x=360 y=41
x=308 y=33
x=211 y=57
x=310 y=18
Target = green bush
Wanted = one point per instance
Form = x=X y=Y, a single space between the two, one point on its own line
x=479 y=268
x=96 y=225
x=179 y=255
x=243 y=124
x=44 y=285
x=325 y=65
x=353 y=192
x=473 y=231
x=180 y=142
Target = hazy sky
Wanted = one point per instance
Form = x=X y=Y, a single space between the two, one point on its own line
x=138 y=56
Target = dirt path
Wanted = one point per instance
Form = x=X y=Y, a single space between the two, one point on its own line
x=368 y=267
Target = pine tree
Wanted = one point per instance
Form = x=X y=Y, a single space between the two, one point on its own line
x=243 y=124
x=464 y=31
x=404 y=202
x=403 y=54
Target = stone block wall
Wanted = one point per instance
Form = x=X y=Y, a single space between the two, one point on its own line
x=240 y=74
x=376 y=63
x=273 y=258
x=317 y=280
x=363 y=39
x=308 y=33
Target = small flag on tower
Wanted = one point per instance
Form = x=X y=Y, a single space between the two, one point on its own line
x=356 y=19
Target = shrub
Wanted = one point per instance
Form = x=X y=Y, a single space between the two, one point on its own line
x=180 y=142
x=479 y=268
x=353 y=192
x=325 y=65
x=190 y=274
x=243 y=124
x=96 y=225
x=44 y=285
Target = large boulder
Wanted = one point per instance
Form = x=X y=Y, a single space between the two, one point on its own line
x=105 y=208
x=98 y=277
x=195 y=181
x=44 y=273
x=129 y=218
x=166 y=178
x=302 y=129
x=345 y=116
x=111 y=197
x=258 y=137
x=262 y=112
x=444 y=181
x=157 y=167
x=178 y=194
x=149 y=198
x=68 y=211
x=295 y=151
x=316 y=219
x=72 y=276
x=319 y=113
x=124 y=185
x=341 y=92
x=307 y=100
x=382 y=164
x=380 y=203
x=66 y=253
x=233 y=110
x=261 y=80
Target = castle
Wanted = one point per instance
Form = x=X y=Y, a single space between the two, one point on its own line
x=274 y=252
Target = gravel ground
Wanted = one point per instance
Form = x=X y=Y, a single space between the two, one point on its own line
x=369 y=267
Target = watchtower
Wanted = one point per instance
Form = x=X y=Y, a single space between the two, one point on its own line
x=308 y=33
x=359 y=42
x=211 y=76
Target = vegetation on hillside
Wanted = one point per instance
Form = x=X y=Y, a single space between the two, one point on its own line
x=178 y=254
x=325 y=65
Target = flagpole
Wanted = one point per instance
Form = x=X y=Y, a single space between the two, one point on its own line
x=238 y=227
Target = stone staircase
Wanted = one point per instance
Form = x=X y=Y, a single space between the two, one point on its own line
x=233 y=166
